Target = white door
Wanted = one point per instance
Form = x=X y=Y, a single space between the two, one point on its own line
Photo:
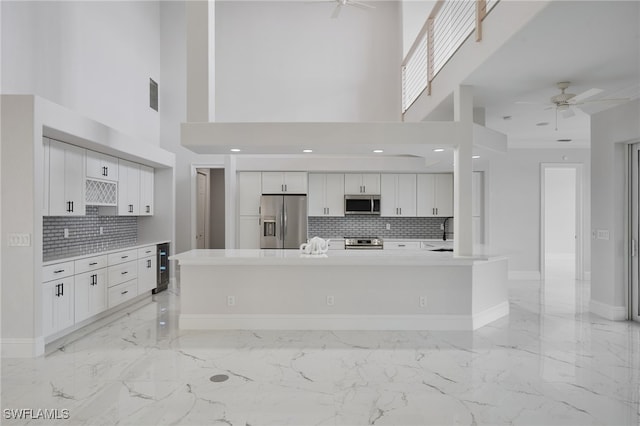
x=317 y=194
x=388 y=195
x=201 y=210
x=249 y=192
x=146 y=190
x=272 y=182
x=128 y=188
x=371 y=183
x=66 y=179
x=634 y=238
x=90 y=294
x=353 y=184
x=425 y=195
x=147 y=279
x=295 y=182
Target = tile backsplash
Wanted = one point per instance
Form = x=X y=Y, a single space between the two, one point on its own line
x=84 y=234
x=375 y=226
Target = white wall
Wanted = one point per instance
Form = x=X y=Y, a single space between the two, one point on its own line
x=95 y=58
x=514 y=205
x=611 y=131
x=414 y=16
x=289 y=61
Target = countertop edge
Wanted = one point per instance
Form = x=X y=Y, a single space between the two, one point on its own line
x=102 y=253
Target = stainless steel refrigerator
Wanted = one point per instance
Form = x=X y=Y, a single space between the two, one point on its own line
x=283 y=221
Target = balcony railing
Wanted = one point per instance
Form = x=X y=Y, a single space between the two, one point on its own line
x=450 y=23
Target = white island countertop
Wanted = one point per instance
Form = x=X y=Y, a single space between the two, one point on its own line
x=333 y=257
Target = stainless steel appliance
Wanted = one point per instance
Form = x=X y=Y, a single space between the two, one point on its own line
x=283 y=221
x=163 y=267
x=363 y=243
x=362 y=204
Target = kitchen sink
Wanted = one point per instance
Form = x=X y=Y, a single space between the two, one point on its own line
x=442 y=249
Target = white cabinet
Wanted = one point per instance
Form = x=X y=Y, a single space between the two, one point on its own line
x=435 y=195
x=398 y=195
x=101 y=166
x=362 y=183
x=402 y=245
x=90 y=294
x=57 y=305
x=326 y=194
x=249 y=192
x=128 y=188
x=146 y=191
x=66 y=179
x=147 y=269
x=284 y=182
x=249 y=232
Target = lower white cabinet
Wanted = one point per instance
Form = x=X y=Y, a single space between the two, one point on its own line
x=249 y=232
x=57 y=305
x=122 y=292
x=90 y=294
x=402 y=245
x=147 y=279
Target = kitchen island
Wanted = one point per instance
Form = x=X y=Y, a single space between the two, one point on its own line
x=342 y=290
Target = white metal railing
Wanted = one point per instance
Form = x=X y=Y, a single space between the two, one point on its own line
x=450 y=23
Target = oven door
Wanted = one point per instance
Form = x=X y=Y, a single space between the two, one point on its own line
x=362 y=204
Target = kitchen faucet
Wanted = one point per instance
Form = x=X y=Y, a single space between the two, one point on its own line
x=444 y=228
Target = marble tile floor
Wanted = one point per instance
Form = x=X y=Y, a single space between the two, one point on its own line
x=549 y=363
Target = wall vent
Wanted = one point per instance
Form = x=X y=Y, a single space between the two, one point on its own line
x=153 y=94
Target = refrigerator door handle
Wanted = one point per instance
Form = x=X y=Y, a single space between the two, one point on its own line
x=284 y=222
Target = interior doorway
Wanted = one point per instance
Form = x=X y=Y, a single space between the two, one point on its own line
x=210 y=208
x=561 y=217
x=634 y=228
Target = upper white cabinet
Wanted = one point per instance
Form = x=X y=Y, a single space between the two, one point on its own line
x=362 y=183
x=66 y=179
x=326 y=194
x=101 y=166
x=128 y=188
x=284 y=182
x=146 y=191
x=435 y=195
x=249 y=192
x=398 y=195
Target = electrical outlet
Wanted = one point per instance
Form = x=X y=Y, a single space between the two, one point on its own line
x=231 y=301
x=66 y=232
x=19 y=240
x=330 y=300
x=101 y=230
x=388 y=226
x=603 y=234
x=423 y=301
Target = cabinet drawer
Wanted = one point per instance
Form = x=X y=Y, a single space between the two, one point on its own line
x=122 y=292
x=123 y=256
x=90 y=264
x=58 y=270
x=336 y=244
x=147 y=251
x=120 y=273
x=401 y=245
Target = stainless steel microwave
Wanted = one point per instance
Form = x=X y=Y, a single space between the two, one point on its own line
x=362 y=204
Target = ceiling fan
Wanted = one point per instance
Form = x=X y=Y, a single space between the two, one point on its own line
x=565 y=103
x=343 y=3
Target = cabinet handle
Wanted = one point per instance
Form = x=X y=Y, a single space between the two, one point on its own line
x=62 y=289
x=328 y=210
x=69 y=208
x=148 y=209
x=148 y=263
x=58 y=271
x=94 y=279
x=130 y=208
x=93 y=263
x=124 y=273
x=72 y=206
x=401 y=245
x=104 y=171
x=400 y=211
x=123 y=257
x=436 y=210
x=125 y=292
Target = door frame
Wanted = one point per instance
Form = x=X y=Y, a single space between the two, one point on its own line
x=207 y=206
x=579 y=248
x=633 y=231
x=194 y=197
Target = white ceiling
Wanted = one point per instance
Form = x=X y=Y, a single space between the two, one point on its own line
x=592 y=44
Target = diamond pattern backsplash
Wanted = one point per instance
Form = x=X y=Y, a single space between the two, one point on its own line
x=101 y=193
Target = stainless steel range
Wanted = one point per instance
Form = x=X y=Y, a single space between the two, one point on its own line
x=351 y=243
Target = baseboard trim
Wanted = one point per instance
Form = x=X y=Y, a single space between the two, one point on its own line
x=490 y=315
x=610 y=312
x=524 y=275
x=341 y=322
x=22 y=347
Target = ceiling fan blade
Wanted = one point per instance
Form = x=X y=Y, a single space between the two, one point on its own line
x=604 y=101
x=585 y=95
x=360 y=4
x=568 y=113
x=336 y=11
x=529 y=103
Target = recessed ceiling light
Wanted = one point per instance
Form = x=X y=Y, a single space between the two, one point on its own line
x=542 y=123
x=438 y=150
x=475 y=156
x=377 y=151
x=235 y=149
x=307 y=150
x=564 y=140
